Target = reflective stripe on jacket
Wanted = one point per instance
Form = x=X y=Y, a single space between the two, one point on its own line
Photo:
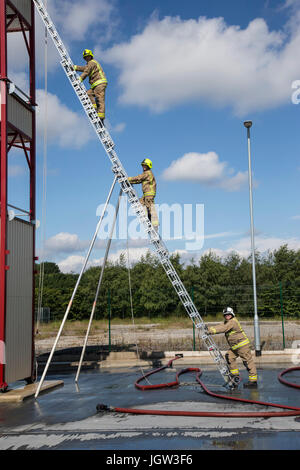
x=148 y=182
x=94 y=71
x=234 y=333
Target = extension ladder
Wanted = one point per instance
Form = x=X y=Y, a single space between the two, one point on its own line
x=120 y=173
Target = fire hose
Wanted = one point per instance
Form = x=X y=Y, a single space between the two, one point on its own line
x=293 y=410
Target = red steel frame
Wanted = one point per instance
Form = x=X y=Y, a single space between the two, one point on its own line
x=19 y=141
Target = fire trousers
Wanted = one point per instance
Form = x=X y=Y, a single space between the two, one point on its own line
x=148 y=203
x=245 y=354
x=97 y=97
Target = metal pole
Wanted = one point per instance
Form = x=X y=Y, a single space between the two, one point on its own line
x=109 y=320
x=248 y=124
x=193 y=323
x=282 y=321
x=75 y=289
x=98 y=287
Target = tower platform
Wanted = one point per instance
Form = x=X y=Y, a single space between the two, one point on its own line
x=19 y=119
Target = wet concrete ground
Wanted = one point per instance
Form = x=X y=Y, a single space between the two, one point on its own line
x=66 y=417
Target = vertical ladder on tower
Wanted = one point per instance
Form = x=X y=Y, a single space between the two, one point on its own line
x=122 y=178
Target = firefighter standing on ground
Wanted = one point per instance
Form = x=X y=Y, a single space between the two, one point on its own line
x=97 y=80
x=148 y=182
x=239 y=346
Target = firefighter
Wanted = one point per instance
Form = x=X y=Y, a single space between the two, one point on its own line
x=148 y=182
x=239 y=346
x=97 y=80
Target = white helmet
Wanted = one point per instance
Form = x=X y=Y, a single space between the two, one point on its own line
x=228 y=311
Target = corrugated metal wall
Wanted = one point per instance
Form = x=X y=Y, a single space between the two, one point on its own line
x=18 y=328
x=24 y=7
x=19 y=115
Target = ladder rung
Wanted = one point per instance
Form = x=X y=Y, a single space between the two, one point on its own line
x=193 y=314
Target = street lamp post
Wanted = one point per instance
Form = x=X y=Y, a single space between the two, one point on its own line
x=248 y=124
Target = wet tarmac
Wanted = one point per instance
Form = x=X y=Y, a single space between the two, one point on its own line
x=66 y=418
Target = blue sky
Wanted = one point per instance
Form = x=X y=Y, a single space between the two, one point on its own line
x=182 y=79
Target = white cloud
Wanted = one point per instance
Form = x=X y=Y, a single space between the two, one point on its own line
x=235 y=182
x=296 y=217
x=219 y=235
x=70 y=243
x=65 y=242
x=289 y=3
x=15 y=170
x=18 y=60
x=202 y=167
x=64 y=127
x=119 y=127
x=174 y=61
x=77 y=18
x=74 y=263
x=263 y=244
x=20 y=79
x=135 y=254
x=242 y=247
x=205 y=168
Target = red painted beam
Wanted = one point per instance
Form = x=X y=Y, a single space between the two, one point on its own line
x=32 y=164
x=3 y=179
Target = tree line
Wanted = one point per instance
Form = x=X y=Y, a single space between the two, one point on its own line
x=212 y=282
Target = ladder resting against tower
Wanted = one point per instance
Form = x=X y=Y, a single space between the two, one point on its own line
x=122 y=178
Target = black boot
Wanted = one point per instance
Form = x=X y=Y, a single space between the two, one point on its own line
x=101 y=120
x=250 y=384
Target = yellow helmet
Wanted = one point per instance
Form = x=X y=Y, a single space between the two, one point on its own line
x=87 y=52
x=147 y=162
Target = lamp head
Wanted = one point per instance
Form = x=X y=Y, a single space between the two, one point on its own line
x=248 y=124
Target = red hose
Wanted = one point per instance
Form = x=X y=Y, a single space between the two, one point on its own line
x=289 y=384
x=152 y=387
x=295 y=411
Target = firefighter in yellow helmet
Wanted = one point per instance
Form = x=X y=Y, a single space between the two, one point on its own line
x=239 y=346
x=97 y=80
x=148 y=182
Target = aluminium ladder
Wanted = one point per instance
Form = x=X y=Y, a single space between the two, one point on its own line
x=122 y=178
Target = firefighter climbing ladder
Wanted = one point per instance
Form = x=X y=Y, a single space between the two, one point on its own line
x=122 y=178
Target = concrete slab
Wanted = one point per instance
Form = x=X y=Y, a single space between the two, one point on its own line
x=67 y=418
x=19 y=394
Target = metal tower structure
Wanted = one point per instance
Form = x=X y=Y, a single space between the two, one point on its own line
x=17 y=231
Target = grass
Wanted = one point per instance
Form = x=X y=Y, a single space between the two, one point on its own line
x=79 y=327
x=158 y=333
